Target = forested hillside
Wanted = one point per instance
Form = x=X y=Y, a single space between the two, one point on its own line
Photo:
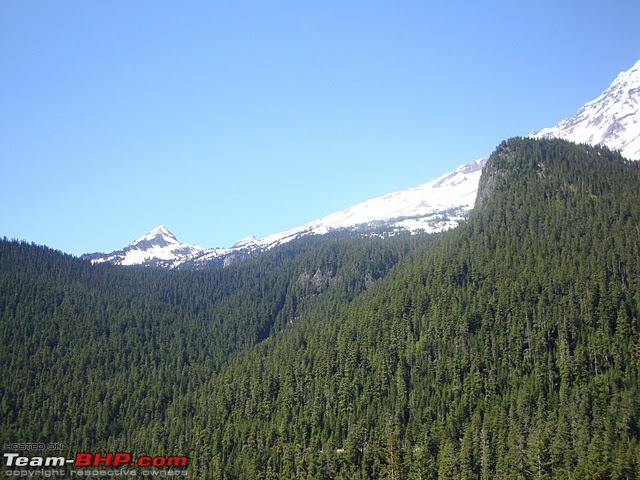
x=103 y=356
x=506 y=348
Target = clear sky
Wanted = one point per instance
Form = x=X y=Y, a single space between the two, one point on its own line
x=223 y=119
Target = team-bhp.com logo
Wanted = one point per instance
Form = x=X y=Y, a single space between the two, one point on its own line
x=96 y=463
x=121 y=459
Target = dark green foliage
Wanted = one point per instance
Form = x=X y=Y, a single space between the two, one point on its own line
x=507 y=348
x=93 y=355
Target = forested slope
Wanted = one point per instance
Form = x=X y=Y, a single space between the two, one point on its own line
x=102 y=357
x=507 y=348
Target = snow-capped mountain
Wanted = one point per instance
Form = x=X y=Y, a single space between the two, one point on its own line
x=432 y=207
x=612 y=119
x=159 y=248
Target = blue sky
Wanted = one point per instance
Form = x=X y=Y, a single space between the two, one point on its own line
x=225 y=119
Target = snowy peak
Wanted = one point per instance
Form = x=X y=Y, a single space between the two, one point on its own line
x=159 y=236
x=611 y=119
x=245 y=242
x=159 y=247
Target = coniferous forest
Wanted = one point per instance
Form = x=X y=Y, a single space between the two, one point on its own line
x=506 y=348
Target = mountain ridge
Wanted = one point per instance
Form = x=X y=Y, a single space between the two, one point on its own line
x=432 y=207
x=506 y=347
x=611 y=120
x=159 y=248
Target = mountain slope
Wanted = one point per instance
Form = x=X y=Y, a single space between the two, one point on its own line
x=431 y=207
x=95 y=352
x=508 y=348
x=612 y=119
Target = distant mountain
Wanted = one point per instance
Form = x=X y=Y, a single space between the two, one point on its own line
x=158 y=248
x=612 y=120
x=432 y=207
